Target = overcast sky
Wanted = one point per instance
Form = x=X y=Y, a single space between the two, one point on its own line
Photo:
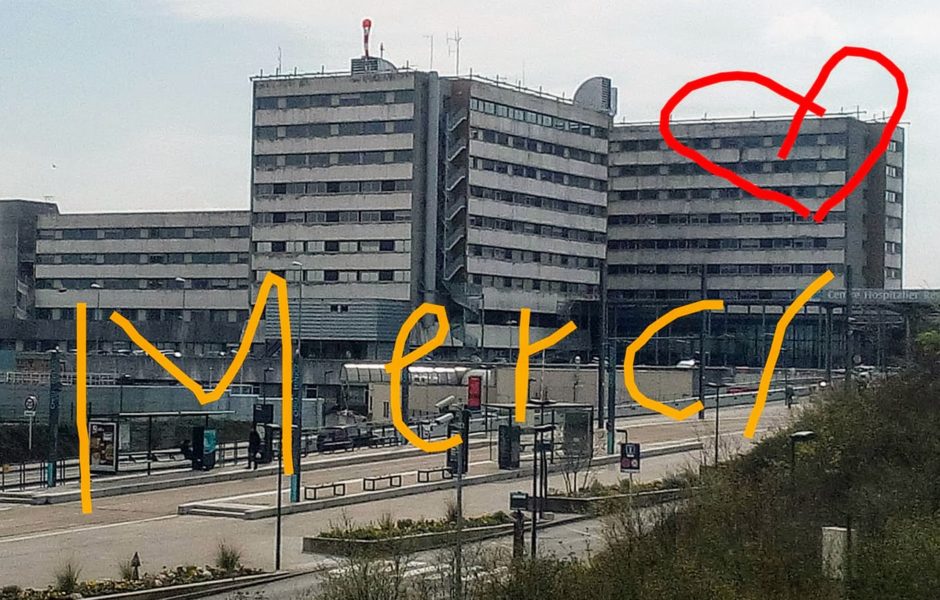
x=146 y=105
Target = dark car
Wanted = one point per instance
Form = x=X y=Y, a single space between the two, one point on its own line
x=333 y=438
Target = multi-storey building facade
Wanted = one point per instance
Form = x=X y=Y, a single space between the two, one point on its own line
x=671 y=223
x=524 y=210
x=180 y=277
x=378 y=189
x=344 y=185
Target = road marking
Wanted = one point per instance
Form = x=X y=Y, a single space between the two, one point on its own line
x=45 y=534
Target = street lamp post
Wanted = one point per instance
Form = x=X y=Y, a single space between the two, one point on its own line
x=264 y=384
x=511 y=323
x=277 y=526
x=97 y=287
x=182 y=283
x=539 y=478
x=298 y=401
x=297 y=265
x=577 y=378
x=717 y=387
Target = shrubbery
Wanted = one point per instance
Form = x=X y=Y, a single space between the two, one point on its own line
x=386 y=528
x=753 y=529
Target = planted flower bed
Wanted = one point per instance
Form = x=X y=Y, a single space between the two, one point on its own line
x=386 y=528
x=104 y=587
x=404 y=535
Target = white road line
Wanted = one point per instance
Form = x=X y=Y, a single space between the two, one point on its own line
x=57 y=532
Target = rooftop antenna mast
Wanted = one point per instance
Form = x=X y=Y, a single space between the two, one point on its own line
x=431 y=38
x=366 y=29
x=456 y=40
x=278 y=60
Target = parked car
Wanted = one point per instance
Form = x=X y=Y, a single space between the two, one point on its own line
x=333 y=438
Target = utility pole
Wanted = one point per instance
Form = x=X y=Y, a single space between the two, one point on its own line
x=55 y=392
x=297 y=432
x=604 y=341
x=701 y=345
x=456 y=40
x=611 y=395
x=280 y=478
x=849 y=350
x=458 y=541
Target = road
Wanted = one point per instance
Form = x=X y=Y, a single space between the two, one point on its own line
x=34 y=540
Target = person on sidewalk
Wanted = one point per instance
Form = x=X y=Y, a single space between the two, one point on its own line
x=254 y=448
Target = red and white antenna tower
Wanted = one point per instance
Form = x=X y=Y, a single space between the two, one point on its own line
x=366 y=28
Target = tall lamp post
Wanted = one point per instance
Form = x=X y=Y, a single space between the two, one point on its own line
x=280 y=477
x=298 y=401
x=717 y=388
x=264 y=384
x=182 y=282
x=97 y=287
x=511 y=323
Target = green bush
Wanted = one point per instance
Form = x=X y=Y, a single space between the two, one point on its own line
x=66 y=577
x=752 y=529
x=228 y=558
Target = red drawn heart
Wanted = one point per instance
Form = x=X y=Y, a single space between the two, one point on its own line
x=804 y=104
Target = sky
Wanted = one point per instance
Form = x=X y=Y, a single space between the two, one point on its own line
x=146 y=105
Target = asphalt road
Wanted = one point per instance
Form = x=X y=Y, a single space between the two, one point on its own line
x=35 y=540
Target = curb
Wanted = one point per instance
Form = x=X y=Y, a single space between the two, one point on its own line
x=45 y=497
x=251 y=513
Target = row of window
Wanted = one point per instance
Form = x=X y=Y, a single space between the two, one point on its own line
x=531 y=145
x=535 y=285
x=800 y=243
x=747 y=141
x=498 y=166
x=151 y=314
x=318 y=130
x=892 y=247
x=325 y=100
x=784 y=295
x=528 y=228
x=134 y=258
x=334 y=246
x=340 y=276
x=137 y=233
x=329 y=159
x=892 y=273
x=167 y=283
x=802 y=191
x=521 y=199
x=893 y=197
x=320 y=188
x=529 y=256
x=536 y=118
x=749 y=167
x=717 y=218
x=757 y=269
x=334 y=216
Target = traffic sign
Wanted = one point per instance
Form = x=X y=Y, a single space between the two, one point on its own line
x=629 y=457
x=29 y=405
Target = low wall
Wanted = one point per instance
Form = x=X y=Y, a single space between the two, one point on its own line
x=404 y=544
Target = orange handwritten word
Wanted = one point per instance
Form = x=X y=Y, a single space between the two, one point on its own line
x=201 y=395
